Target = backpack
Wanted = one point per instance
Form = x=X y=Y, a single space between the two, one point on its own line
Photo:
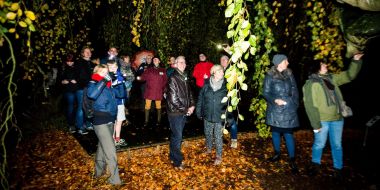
x=88 y=104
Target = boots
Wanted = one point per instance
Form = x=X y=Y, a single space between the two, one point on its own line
x=146 y=118
x=293 y=166
x=158 y=117
x=274 y=158
x=313 y=169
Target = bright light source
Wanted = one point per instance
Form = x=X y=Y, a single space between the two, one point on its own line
x=219 y=46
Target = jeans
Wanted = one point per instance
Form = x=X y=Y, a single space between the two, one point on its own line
x=290 y=143
x=79 y=115
x=334 y=130
x=214 y=131
x=70 y=99
x=177 y=123
x=234 y=129
x=106 y=153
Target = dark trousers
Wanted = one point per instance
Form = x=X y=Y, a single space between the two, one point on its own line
x=177 y=123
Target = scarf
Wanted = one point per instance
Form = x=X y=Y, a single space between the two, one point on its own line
x=215 y=85
x=328 y=87
x=96 y=77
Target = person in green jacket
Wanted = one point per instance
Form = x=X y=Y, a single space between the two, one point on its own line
x=322 y=98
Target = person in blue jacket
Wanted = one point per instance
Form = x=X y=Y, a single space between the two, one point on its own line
x=105 y=111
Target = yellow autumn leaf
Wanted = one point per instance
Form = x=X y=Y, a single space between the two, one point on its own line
x=30 y=15
x=17 y=36
x=28 y=21
x=12 y=30
x=11 y=15
x=19 y=12
x=22 y=24
x=14 y=7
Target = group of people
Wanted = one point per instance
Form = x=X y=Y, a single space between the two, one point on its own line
x=75 y=78
x=323 y=103
x=108 y=83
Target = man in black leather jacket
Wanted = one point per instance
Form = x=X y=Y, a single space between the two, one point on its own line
x=180 y=104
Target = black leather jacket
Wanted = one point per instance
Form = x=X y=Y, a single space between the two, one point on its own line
x=179 y=94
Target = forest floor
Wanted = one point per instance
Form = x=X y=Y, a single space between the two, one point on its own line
x=55 y=159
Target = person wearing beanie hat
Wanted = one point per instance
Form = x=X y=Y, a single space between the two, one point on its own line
x=323 y=104
x=278 y=58
x=281 y=93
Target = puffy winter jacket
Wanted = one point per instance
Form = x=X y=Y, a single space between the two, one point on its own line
x=281 y=86
x=105 y=105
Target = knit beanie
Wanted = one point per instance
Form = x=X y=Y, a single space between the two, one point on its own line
x=278 y=58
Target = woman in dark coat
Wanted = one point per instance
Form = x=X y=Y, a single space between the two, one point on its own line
x=210 y=108
x=281 y=94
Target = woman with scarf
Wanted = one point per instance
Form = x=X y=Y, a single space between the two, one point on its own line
x=323 y=98
x=281 y=93
x=105 y=111
x=210 y=109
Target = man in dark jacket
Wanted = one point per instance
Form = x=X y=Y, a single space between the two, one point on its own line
x=180 y=103
x=85 y=68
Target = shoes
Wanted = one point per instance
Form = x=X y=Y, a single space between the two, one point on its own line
x=90 y=128
x=293 y=166
x=313 y=169
x=82 y=132
x=218 y=161
x=338 y=176
x=208 y=151
x=180 y=167
x=72 y=129
x=234 y=143
x=121 y=143
x=274 y=158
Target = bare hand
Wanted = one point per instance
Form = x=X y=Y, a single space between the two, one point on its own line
x=358 y=56
x=65 y=82
x=279 y=102
x=190 y=110
x=73 y=81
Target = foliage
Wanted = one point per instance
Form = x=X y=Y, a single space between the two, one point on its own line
x=244 y=44
x=63 y=164
x=115 y=26
x=326 y=39
x=136 y=26
x=62 y=30
x=262 y=61
x=15 y=19
x=182 y=27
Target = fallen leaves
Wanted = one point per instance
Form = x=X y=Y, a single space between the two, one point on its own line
x=55 y=160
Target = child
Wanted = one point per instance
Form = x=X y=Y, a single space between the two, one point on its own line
x=118 y=80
